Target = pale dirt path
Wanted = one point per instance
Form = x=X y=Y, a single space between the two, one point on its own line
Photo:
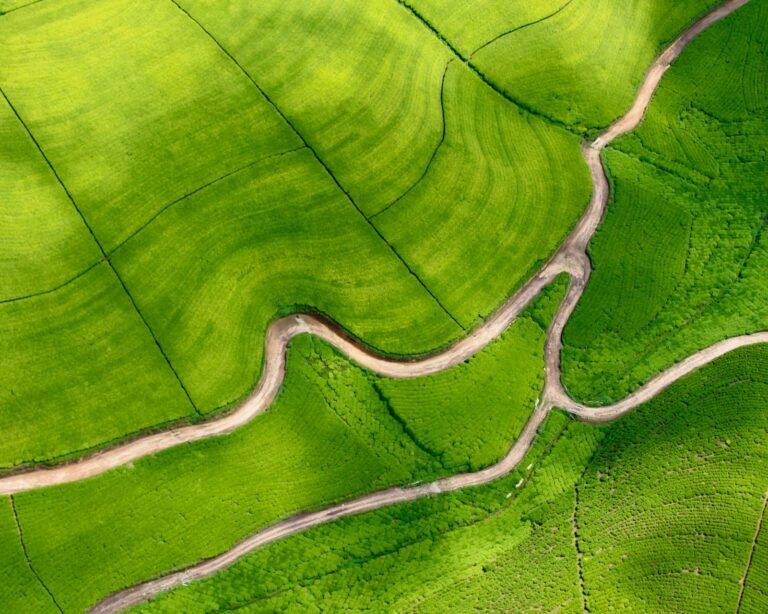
x=570 y=258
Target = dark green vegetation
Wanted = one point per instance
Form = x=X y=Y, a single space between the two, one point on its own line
x=755 y=598
x=654 y=513
x=334 y=433
x=681 y=260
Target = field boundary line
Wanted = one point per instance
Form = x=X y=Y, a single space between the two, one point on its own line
x=77 y=276
x=16 y=8
x=467 y=60
x=101 y=248
x=320 y=161
x=577 y=547
x=743 y=581
x=521 y=27
x=31 y=567
x=434 y=152
x=403 y=425
x=570 y=258
x=201 y=188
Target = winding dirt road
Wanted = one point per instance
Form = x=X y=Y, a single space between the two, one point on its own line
x=571 y=258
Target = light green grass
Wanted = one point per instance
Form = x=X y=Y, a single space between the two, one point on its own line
x=20 y=590
x=267 y=240
x=43 y=241
x=360 y=80
x=681 y=260
x=473 y=210
x=501 y=194
x=675 y=485
x=133 y=106
x=468 y=25
x=584 y=65
x=78 y=368
x=330 y=435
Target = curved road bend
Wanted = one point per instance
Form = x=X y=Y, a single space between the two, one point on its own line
x=570 y=258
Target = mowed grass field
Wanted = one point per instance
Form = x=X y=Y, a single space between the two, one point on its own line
x=681 y=260
x=232 y=174
x=335 y=432
x=654 y=513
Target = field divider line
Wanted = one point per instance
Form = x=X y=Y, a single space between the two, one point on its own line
x=467 y=60
x=146 y=223
x=434 y=152
x=200 y=188
x=520 y=27
x=31 y=567
x=101 y=248
x=570 y=258
x=17 y=8
x=320 y=161
x=75 y=277
x=743 y=580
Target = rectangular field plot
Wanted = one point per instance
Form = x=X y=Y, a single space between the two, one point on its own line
x=502 y=192
x=469 y=25
x=213 y=270
x=43 y=241
x=583 y=65
x=132 y=103
x=78 y=368
x=360 y=80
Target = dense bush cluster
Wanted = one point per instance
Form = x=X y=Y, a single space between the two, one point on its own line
x=681 y=260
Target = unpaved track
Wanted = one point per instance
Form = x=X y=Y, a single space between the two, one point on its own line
x=570 y=258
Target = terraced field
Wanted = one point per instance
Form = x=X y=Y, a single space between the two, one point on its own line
x=194 y=186
x=680 y=261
